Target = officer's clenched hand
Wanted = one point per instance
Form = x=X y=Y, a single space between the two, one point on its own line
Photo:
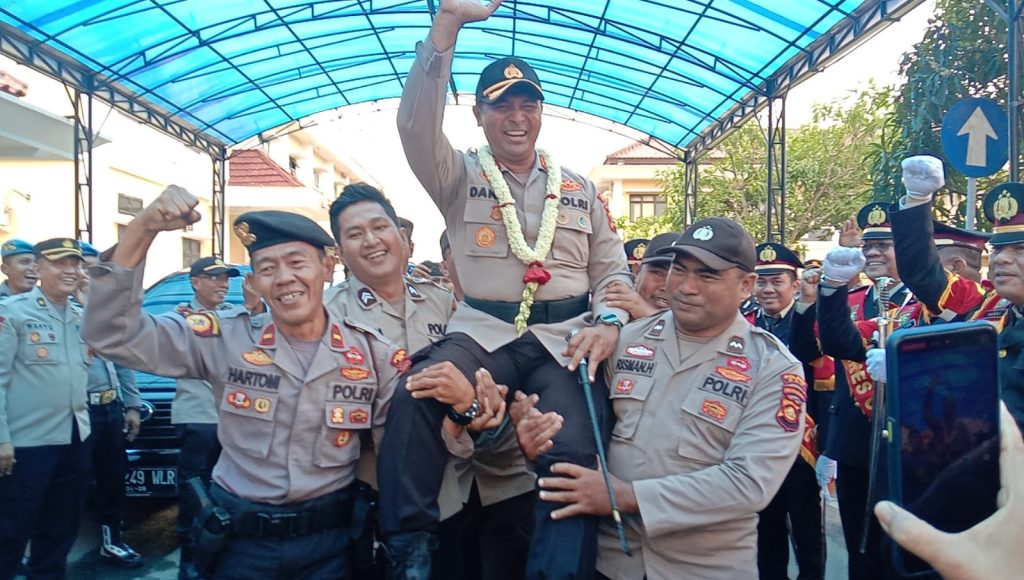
x=444 y=383
x=584 y=490
x=841 y=264
x=809 y=285
x=6 y=459
x=534 y=430
x=619 y=295
x=922 y=176
x=132 y=422
x=172 y=210
x=492 y=402
x=989 y=549
x=595 y=343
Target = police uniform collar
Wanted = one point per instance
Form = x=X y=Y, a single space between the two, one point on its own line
x=411 y=289
x=734 y=341
x=782 y=314
x=664 y=325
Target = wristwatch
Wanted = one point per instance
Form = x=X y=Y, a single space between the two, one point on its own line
x=466 y=417
x=609 y=319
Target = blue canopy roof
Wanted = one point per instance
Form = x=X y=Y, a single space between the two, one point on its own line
x=234 y=68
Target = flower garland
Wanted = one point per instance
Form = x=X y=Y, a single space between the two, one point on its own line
x=535 y=275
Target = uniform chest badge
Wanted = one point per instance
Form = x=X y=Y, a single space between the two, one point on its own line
x=34 y=336
x=42 y=352
x=570 y=185
x=337 y=416
x=239 y=400
x=582 y=221
x=657 y=329
x=269 y=336
x=735 y=345
x=640 y=351
x=740 y=363
x=262 y=405
x=337 y=341
x=343 y=438
x=359 y=417
x=258 y=357
x=562 y=219
x=400 y=360
x=354 y=374
x=496 y=213
x=203 y=324
x=366 y=297
x=485 y=237
x=732 y=374
x=625 y=386
x=354 y=356
x=714 y=410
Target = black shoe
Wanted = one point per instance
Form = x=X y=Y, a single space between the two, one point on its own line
x=114 y=551
x=409 y=555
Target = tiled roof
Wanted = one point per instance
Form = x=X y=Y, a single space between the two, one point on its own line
x=253 y=167
x=639 y=151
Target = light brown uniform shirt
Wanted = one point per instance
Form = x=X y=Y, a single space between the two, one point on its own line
x=287 y=435
x=586 y=254
x=44 y=370
x=499 y=467
x=193 y=399
x=700 y=436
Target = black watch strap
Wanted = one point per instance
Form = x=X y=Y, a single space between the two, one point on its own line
x=466 y=417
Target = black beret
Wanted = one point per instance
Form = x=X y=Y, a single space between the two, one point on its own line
x=262 y=229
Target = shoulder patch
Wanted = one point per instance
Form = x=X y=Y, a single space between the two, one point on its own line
x=203 y=323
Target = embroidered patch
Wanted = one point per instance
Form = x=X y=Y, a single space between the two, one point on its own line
x=634 y=366
x=570 y=185
x=562 y=218
x=337 y=415
x=34 y=336
x=788 y=415
x=414 y=292
x=582 y=221
x=714 y=409
x=343 y=438
x=337 y=341
x=485 y=237
x=724 y=388
x=739 y=363
x=42 y=352
x=268 y=337
x=258 y=357
x=657 y=329
x=608 y=212
x=354 y=374
x=400 y=360
x=359 y=417
x=732 y=375
x=262 y=405
x=640 y=351
x=239 y=400
x=496 y=213
x=625 y=386
x=366 y=297
x=736 y=345
x=203 y=324
x=354 y=356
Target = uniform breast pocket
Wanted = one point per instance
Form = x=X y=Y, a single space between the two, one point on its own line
x=247 y=418
x=572 y=237
x=708 y=424
x=485 y=235
x=339 y=434
x=41 y=348
x=629 y=395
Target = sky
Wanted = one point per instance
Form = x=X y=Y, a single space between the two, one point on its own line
x=368 y=135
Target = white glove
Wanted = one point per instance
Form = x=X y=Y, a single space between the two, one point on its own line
x=825 y=471
x=842 y=264
x=922 y=176
x=876 y=364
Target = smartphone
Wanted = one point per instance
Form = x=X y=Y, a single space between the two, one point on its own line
x=943 y=415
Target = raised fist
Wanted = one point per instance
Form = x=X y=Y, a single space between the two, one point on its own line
x=172 y=210
x=922 y=176
x=842 y=264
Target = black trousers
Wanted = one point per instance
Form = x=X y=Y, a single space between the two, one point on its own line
x=852 y=488
x=413 y=456
x=196 y=457
x=104 y=451
x=42 y=501
x=486 y=542
x=794 y=512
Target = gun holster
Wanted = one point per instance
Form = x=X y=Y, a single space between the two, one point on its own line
x=211 y=529
x=363 y=558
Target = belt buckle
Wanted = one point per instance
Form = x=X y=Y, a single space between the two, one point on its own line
x=276 y=524
x=108 y=396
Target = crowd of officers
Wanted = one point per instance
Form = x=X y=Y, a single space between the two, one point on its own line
x=451 y=427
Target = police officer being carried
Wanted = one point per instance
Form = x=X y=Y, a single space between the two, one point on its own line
x=44 y=416
x=114 y=417
x=194 y=410
x=531 y=242
x=19 y=261
x=291 y=396
x=709 y=416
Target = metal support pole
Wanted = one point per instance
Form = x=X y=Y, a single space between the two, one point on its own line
x=219 y=182
x=1013 y=48
x=81 y=102
x=776 y=202
x=690 y=191
x=972 y=203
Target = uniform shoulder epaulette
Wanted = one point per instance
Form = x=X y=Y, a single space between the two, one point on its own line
x=427 y=285
x=774 y=341
x=649 y=326
x=16 y=298
x=234 y=311
x=365 y=329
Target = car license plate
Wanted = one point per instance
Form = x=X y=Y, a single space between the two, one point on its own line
x=151 y=482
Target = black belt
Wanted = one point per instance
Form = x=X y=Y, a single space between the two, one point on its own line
x=260 y=520
x=543 y=312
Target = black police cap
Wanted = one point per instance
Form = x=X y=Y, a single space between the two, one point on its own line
x=946 y=235
x=635 y=249
x=774 y=258
x=56 y=248
x=212 y=266
x=261 y=229
x=651 y=256
x=718 y=242
x=873 y=221
x=1003 y=206
x=503 y=74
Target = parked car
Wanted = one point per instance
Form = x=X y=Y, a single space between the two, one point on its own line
x=153 y=456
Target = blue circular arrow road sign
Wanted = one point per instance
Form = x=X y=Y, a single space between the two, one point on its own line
x=975 y=137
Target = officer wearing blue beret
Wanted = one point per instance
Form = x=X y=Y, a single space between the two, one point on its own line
x=19 y=265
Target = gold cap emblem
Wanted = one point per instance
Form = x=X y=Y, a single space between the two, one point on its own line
x=242 y=231
x=639 y=250
x=877 y=216
x=768 y=254
x=513 y=72
x=68 y=244
x=1005 y=207
x=8 y=246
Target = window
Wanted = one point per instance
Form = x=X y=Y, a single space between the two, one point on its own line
x=643 y=205
x=293 y=166
x=191 y=251
x=128 y=205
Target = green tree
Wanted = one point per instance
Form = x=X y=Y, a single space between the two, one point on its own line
x=827 y=177
x=962 y=54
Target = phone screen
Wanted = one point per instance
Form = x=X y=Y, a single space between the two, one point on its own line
x=948 y=415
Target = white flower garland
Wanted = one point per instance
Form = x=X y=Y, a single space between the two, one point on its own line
x=533 y=257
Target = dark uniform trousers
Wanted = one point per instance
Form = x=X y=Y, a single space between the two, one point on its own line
x=320 y=555
x=196 y=457
x=105 y=455
x=42 y=501
x=413 y=454
x=799 y=500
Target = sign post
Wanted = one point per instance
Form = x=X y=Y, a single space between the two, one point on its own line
x=975 y=138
